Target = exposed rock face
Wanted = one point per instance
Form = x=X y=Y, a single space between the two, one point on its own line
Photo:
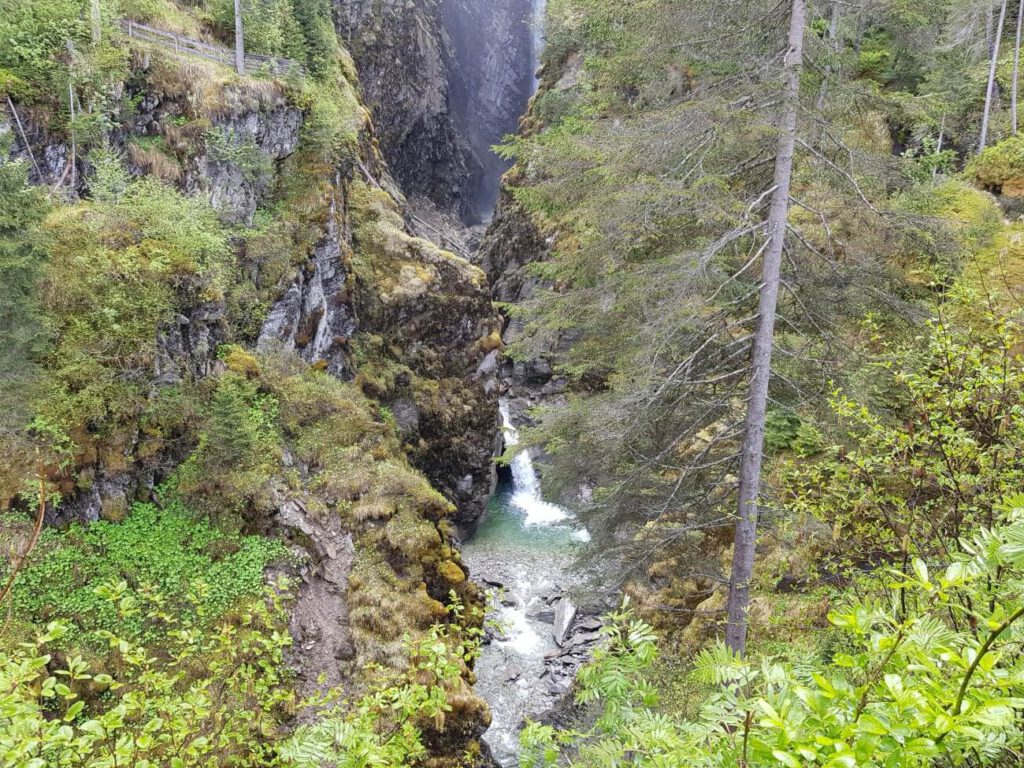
x=446 y=80
x=404 y=57
x=431 y=332
x=186 y=347
x=49 y=161
x=232 y=163
x=512 y=243
x=235 y=171
x=314 y=317
x=495 y=50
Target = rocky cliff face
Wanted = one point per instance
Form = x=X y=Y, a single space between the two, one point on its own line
x=495 y=51
x=329 y=280
x=405 y=58
x=446 y=80
x=512 y=243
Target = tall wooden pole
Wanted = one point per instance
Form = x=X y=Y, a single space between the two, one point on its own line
x=990 y=92
x=94 y=15
x=1016 y=70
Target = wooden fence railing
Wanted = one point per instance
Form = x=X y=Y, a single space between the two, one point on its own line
x=254 y=62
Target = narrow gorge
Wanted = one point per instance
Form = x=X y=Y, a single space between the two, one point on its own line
x=511 y=383
x=347 y=211
x=482 y=62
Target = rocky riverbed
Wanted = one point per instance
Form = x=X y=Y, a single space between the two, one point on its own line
x=522 y=553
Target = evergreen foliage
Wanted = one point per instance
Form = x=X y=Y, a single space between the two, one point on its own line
x=22 y=332
x=301 y=30
x=41 y=40
x=652 y=181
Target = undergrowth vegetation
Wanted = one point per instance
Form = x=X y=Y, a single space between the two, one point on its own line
x=166 y=554
x=214 y=696
x=922 y=670
x=131 y=305
x=176 y=202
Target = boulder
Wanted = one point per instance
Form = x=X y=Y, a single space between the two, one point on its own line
x=565 y=615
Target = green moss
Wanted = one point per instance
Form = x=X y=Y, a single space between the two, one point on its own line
x=385 y=606
x=1001 y=167
x=334 y=118
x=451 y=572
x=117 y=268
x=414 y=537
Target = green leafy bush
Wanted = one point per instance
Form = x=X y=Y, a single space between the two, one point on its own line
x=919 y=480
x=215 y=696
x=209 y=697
x=385 y=727
x=138 y=253
x=1001 y=166
x=931 y=675
x=155 y=551
x=296 y=29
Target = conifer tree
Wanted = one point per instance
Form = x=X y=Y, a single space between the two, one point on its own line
x=764 y=339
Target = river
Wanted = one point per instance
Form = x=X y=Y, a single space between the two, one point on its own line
x=522 y=551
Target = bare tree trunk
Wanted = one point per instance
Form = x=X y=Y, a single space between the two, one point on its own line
x=833 y=43
x=71 y=112
x=761 y=362
x=991 y=80
x=1016 y=70
x=94 y=15
x=938 y=147
x=239 y=39
x=988 y=28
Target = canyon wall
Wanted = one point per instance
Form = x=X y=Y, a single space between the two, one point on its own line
x=446 y=80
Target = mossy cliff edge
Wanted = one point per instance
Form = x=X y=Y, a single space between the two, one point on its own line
x=229 y=314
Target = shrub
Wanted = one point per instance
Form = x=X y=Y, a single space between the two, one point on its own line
x=154 y=551
x=138 y=253
x=216 y=696
x=210 y=696
x=929 y=675
x=915 y=482
x=1001 y=166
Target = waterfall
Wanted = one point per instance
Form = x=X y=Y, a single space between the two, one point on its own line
x=526 y=496
x=522 y=549
x=537 y=23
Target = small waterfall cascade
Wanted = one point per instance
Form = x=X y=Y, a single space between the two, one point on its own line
x=521 y=552
x=526 y=495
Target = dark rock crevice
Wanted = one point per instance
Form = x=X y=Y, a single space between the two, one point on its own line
x=446 y=80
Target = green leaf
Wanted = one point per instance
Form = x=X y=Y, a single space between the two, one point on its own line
x=786 y=758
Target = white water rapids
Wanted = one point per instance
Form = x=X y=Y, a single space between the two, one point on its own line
x=526 y=495
x=525 y=544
